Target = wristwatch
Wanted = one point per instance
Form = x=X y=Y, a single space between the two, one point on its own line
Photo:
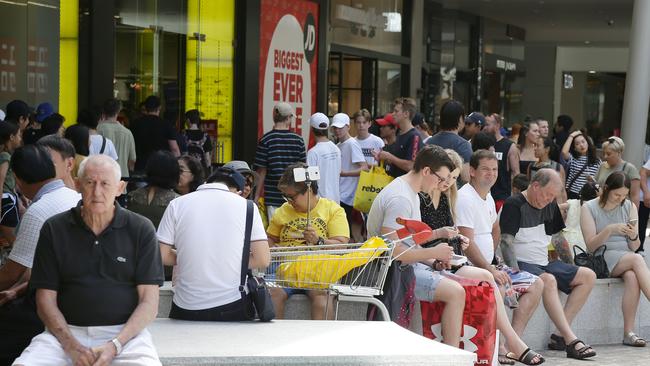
x=118 y=346
x=320 y=241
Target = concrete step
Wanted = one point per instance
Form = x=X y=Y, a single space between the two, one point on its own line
x=299 y=342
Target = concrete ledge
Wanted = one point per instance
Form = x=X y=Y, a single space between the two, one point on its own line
x=298 y=342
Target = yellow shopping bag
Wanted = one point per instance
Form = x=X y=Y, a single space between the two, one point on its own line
x=370 y=184
x=321 y=270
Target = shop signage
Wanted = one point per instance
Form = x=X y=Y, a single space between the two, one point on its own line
x=506 y=65
x=288 y=61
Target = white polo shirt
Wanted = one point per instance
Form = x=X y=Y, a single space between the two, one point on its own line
x=479 y=214
x=207 y=229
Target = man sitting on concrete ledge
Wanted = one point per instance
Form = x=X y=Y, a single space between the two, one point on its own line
x=528 y=222
x=207 y=229
x=96 y=272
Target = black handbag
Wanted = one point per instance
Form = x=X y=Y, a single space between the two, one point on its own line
x=594 y=261
x=258 y=297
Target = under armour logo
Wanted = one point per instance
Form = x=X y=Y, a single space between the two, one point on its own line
x=469 y=332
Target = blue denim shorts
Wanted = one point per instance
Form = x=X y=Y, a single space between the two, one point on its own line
x=426 y=282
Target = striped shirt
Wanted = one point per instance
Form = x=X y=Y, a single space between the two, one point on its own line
x=574 y=184
x=276 y=150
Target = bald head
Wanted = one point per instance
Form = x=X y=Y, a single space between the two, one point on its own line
x=100 y=161
x=544 y=188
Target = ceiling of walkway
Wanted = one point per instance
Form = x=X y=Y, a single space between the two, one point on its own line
x=564 y=22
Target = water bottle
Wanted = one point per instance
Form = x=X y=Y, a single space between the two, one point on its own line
x=510 y=297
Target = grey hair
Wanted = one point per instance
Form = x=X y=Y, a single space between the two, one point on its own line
x=100 y=159
x=543 y=177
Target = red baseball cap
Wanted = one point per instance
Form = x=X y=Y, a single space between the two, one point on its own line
x=387 y=120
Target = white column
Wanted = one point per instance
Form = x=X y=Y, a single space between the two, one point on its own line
x=637 y=84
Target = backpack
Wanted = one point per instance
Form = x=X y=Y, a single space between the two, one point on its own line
x=195 y=149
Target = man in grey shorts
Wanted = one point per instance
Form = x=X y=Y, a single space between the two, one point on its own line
x=530 y=221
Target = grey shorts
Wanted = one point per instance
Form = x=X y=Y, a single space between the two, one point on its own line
x=426 y=282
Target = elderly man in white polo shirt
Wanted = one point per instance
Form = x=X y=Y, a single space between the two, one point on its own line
x=202 y=233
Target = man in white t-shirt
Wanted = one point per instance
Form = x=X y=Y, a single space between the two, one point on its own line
x=326 y=156
x=367 y=141
x=206 y=227
x=476 y=218
x=352 y=163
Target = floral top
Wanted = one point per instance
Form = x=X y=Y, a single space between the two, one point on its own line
x=435 y=217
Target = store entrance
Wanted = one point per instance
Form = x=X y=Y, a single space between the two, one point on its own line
x=352 y=83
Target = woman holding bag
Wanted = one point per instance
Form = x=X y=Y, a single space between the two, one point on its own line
x=611 y=220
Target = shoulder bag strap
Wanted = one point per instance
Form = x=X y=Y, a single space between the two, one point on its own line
x=577 y=175
x=247 y=247
x=101 y=150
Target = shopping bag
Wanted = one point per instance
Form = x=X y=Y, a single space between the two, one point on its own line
x=398 y=295
x=369 y=186
x=319 y=270
x=478 y=334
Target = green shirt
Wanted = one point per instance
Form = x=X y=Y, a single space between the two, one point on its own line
x=10 y=181
x=627 y=168
x=122 y=139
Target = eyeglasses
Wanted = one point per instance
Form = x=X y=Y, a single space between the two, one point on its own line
x=292 y=198
x=448 y=179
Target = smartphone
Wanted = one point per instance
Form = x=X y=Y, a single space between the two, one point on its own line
x=457 y=260
x=632 y=222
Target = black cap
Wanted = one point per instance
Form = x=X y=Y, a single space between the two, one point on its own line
x=418 y=119
x=16 y=109
x=228 y=176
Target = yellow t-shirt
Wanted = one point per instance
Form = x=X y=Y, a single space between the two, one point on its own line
x=327 y=218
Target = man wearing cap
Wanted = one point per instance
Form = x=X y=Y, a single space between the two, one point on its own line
x=251 y=177
x=352 y=163
x=408 y=141
x=508 y=160
x=18 y=111
x=474 y=122
x=326 y=156
x=276 y=150
x=32 y=133
x=208 y=267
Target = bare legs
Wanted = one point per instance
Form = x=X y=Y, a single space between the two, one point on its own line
x=634 y=272
x=453 y=295
x=319 y=303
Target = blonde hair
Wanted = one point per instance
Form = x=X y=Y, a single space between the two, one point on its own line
x=615 y=144
x=452 y=192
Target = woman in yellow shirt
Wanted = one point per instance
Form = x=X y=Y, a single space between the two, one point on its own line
x=289 y=227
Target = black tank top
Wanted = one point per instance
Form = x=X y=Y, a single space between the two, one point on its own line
x=502 y=188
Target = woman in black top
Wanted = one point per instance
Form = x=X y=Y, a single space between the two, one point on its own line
x=527 y=141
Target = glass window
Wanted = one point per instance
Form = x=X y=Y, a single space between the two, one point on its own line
x=389 y=86
x=369 y=24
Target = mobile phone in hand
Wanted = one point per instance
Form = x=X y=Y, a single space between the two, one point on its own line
x=632 y=222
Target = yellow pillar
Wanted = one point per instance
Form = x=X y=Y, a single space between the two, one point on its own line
x=68 y=60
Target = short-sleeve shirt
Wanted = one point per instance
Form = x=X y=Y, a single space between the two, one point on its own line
x=351 y=155
x=96 y=276
x=397 y=199
x=327 y=218
x=277 y=150
x=10 y=181
x=450 y=140
x=53 y=198
x=478 y=214
x=627 y=168
x=95 y=146
x=368 y=145
x=575 y=181
x=207 y=228
x=531 y=227
x=405 y=147
x=151 y=133
x=123 y=140
x=327 y=157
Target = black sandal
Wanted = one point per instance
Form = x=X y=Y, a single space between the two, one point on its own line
x=557 y=343
x=579 y=354
x=526 y=357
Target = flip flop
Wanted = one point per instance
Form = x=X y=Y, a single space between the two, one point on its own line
x=526 y=357
x=504 y=360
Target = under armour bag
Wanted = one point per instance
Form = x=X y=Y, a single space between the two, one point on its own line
x=479 y=334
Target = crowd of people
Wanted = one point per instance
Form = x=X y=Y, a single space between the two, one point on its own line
x=83 y=256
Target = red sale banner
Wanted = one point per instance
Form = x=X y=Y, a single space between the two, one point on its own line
x=288 y=61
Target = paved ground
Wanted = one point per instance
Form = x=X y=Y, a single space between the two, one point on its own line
x=607 y=355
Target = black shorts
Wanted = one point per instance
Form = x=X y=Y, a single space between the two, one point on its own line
x=564 y=273
x=10 y=215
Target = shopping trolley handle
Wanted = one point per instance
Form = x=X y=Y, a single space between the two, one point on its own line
x=420 y=232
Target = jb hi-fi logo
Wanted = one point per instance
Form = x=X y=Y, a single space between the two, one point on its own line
x=371 y=189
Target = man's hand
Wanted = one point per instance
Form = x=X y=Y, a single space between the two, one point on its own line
x=105 y=354
x=500 y=277
x=6 y=296
x=446 y=232
x=443 y=252
x=311 y=237
x=81 y=356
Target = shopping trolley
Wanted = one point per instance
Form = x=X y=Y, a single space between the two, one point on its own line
x=353 y=272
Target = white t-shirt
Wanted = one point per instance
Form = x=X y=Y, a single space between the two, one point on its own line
x=478 y=214
x=397 y=199
x=368 y=145
x=327 y=157
x=351 y=154
x=207 y=229
x=96 y=146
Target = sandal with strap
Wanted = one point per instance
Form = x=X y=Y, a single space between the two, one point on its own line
x=633 y=340
x=527 y=357
x=579 y=354
x=504 y=360
x=557 y=343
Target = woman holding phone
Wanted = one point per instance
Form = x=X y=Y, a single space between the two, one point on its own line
x=612 y=220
